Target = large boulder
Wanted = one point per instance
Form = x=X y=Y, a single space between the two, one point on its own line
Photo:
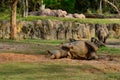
x=61 y=13
x=76 y=15
x=69 y=16
x=46 y=12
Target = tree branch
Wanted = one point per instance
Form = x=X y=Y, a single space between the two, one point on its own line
x=114 y=6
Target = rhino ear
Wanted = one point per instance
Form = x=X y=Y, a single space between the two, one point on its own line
x=91 y=46
x=49 y=52
x=71 y=47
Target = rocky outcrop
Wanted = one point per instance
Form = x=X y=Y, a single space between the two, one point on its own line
x=56 y=30
x=56 y=13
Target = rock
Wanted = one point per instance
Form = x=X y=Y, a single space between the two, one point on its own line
x=81 y=16
x=69 y=16
x=61 y=13
x=56 y=13
x=56 y=29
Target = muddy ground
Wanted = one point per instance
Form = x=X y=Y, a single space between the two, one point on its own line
x=106 y=63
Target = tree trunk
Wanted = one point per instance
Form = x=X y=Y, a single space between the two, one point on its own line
x=114 y=6
x=100 y=8
x=26 y=11
x=24 y=8
x=13 y=34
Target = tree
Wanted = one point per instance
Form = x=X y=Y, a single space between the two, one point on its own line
x=68 y=5
x=13 y=34
x=35 y=4
x=100 y=6
x=24 y=7
x=113 y=5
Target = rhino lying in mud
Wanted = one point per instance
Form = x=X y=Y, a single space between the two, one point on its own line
x=60 y=53
x=76 y=50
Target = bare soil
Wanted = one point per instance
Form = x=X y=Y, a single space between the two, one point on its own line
x=105 y=64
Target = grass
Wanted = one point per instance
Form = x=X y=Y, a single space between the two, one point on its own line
x=30 y=46
x=52 y=71
x=6 y=16
x=87 y=20
x=37 y=46
x=109 y=50
x=33 y=41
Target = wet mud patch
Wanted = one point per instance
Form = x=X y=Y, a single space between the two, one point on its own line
x=101 y=65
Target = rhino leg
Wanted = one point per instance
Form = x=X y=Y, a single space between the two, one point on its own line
x=54 y=54
x=69 y=56
x=92 y=55
x=52 y=57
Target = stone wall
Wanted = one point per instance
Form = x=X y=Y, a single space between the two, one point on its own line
x=56 y=30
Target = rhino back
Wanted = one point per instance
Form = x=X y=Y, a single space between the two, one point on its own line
x=79 y=49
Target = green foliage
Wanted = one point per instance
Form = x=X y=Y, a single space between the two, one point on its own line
x=34 y=5
x=5 y=15
x=52 y=4
x=67 y=5
x=4 y=5
x=71 y=6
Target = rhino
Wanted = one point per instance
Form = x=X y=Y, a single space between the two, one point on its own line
x=102 y=33
x=59 y=53
x=97 y=42
x=81 y=50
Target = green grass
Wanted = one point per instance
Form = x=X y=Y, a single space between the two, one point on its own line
x=87 y=20
x=30 y=46
x=52 y=71
x=6 y=16
x=109 y=50
x=36 y=46
x=33 y=41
